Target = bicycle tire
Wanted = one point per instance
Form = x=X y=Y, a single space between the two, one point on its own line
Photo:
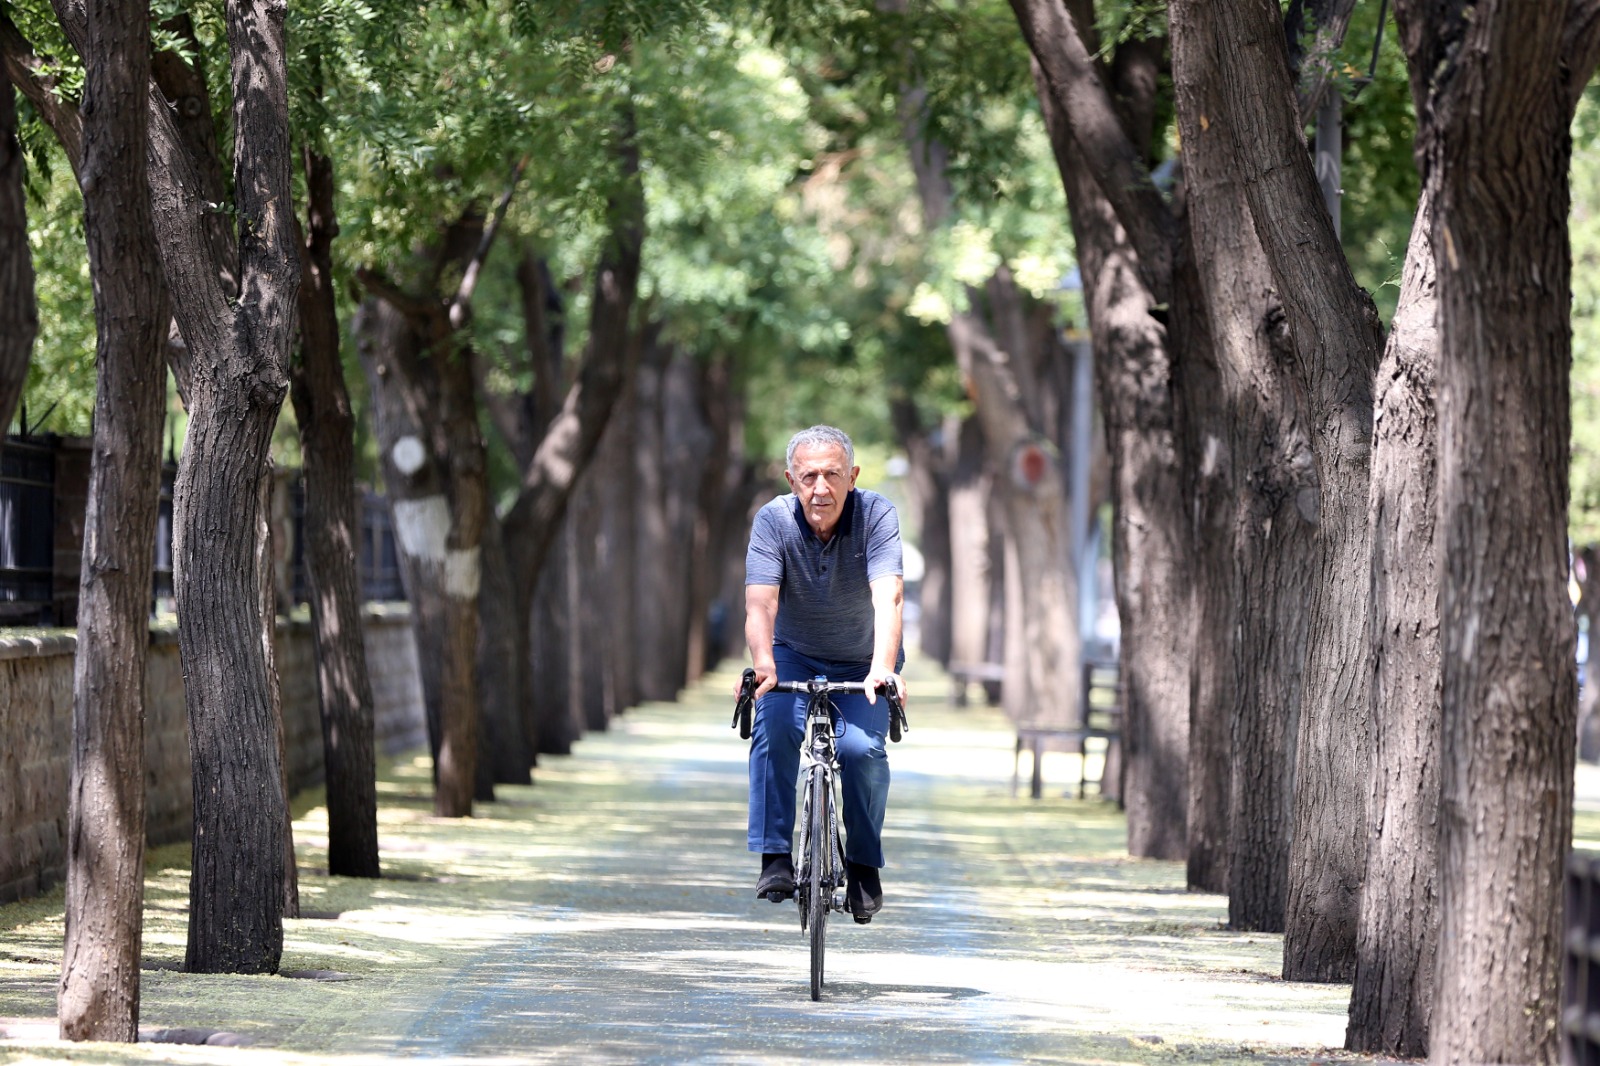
x=818 y=902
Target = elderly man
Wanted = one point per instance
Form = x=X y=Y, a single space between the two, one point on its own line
x=823 y=596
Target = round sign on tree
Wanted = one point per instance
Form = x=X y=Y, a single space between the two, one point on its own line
x=1031 y=462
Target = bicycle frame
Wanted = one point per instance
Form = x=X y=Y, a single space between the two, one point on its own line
x=821 y=870
x=819 y=758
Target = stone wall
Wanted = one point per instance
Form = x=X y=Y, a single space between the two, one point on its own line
x=36 y=733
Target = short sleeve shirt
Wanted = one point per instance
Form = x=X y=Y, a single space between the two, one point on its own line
x=824 y=590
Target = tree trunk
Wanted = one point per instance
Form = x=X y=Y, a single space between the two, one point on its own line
x=553 y=640
x=653 y=583
x=1254 y=460
x=1043 y=652
x=99 y=992
x=1495 y=94
x=436 y=470
x=1392 y=1001
x=503 y=669
x=929 y=483
x=573 y=437
x=19 y=311
x=439 y=501
x=266 y=589
x=1150 y=530
x=240 y=352
x=238 y=347
x=689 y=447
x=593 y=674
x=1212 y=490
x=332 y=532
x=714 y=408
x=971 y=574
x=1337 y=341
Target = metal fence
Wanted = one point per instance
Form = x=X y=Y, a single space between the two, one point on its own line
x=41 y=531
x=378 y=561
x=27 y=533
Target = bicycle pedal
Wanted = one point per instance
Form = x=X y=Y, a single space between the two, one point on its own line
x=862 y=919
x=778 y=895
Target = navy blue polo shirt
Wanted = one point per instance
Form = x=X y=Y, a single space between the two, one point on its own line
x=824 y=590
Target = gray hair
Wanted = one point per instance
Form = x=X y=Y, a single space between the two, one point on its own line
x=826 y=436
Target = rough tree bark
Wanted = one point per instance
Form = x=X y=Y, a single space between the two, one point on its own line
x=99 y=993
x=928 y=478
x=240 y=354
x=434 y=471
x=1495 y=85
x=1151 y=536
x=654 y=585
x=1043 y=647
x=1397 y=936
x=332 y=532
x=1337 y=341
x=714 y=390
x=436 y=468
x=972 y=576
x=231 y=368
x=19 y=310
x=573 y=435
x=1134 y=331
x=1252 y=452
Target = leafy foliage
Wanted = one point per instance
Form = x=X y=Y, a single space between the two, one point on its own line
x=1584 y=229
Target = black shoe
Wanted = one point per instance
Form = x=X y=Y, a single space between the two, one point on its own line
x=777 y=878
x=864 y=892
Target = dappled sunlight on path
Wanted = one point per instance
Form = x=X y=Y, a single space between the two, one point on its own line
x=606 y=914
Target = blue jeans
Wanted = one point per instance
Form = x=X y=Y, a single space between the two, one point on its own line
x=775 y=760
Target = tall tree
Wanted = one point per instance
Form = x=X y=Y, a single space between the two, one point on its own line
x=332 y=531
x=99 y=995
x=231 y=367
x=19 y=310
x=1337 y=342
x=1495 y=86
x=1253 y=470
x=1134 y=331
x=1391 y=1003
x=435 y=468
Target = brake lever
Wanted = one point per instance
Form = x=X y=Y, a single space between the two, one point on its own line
x=898 y=725
x=741 y=709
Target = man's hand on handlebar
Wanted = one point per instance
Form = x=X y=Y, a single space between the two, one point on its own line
x=878 y=679
x=766 y=677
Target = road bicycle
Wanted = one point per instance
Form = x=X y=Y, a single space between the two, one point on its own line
x=821 y=872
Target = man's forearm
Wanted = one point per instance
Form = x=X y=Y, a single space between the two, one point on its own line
x=760 y=623
x=887 y=623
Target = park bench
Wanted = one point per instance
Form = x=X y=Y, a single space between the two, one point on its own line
x=1102 y=702
x=963 y=675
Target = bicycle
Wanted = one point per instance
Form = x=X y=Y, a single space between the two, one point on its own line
x=821 y=870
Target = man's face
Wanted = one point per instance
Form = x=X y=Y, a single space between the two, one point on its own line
x=821 y=479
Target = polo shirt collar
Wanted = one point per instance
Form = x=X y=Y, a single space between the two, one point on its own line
x=846 y=519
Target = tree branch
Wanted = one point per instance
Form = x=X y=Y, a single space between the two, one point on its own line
x=469 y=277
x=25 y=69
x=416 y=311
x=1314 y=69
x=1581 y=45
x=1054 y=38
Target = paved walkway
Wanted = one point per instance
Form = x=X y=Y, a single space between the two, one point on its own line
x=606 y=915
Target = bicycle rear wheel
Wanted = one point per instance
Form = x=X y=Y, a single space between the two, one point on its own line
x=819 y=891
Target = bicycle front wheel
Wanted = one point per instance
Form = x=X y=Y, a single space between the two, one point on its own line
x=819 y=891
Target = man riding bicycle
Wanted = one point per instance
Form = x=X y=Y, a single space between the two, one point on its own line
x=823 y=596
